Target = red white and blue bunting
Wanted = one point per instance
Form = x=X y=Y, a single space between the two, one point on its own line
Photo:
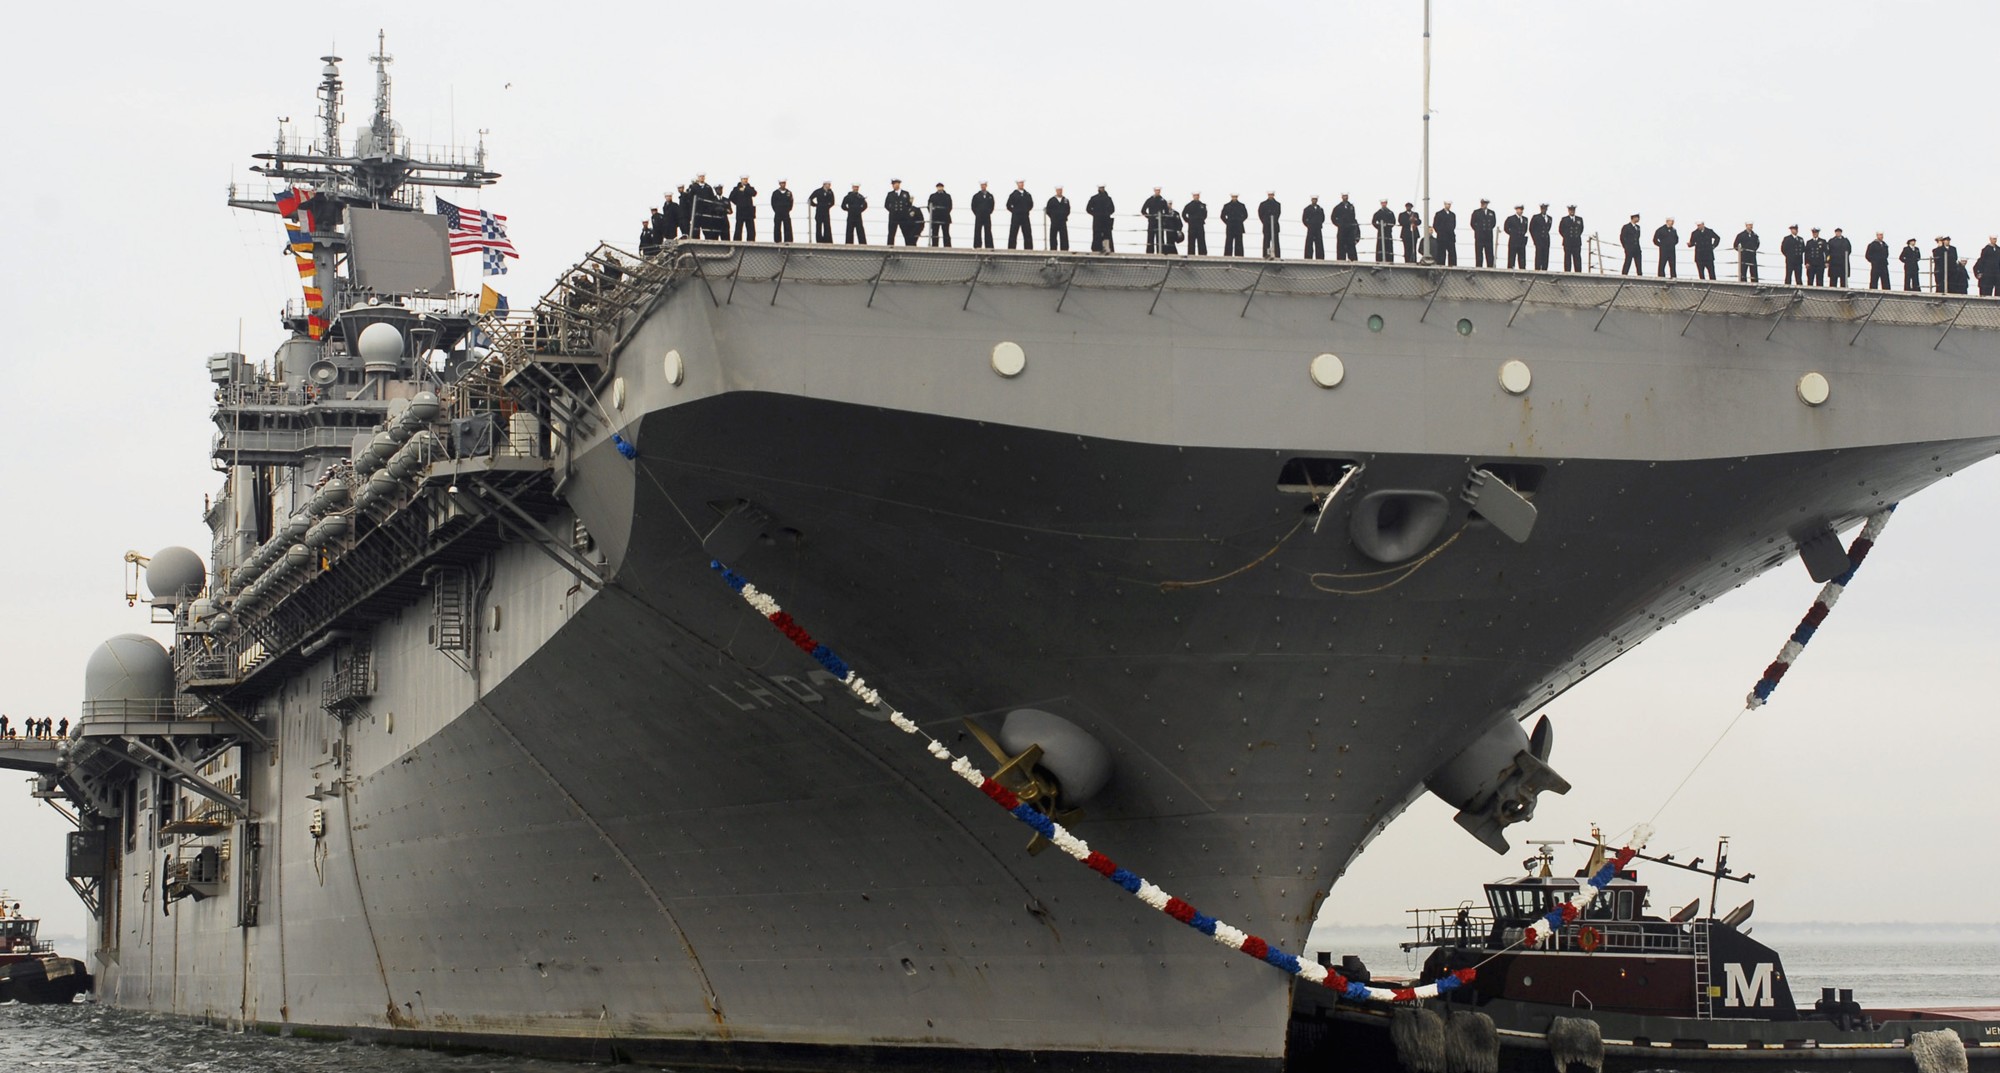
x=1560 y=916
x=1077 y=848
x=1828 y=596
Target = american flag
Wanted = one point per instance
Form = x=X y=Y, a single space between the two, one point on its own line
x=476 y=229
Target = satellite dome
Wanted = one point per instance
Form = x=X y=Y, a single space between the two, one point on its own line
x=380 y=344
x=128 y=667
x=174 y=573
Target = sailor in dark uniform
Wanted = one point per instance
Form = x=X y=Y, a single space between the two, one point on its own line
x=1154 y=209
x=901 y=207
x=1987 y=268
x=1444 y=240
x=1384 y=221
x=1195 y=215
x=821 y=201
x=1539 y=227
x=1483 y=223
x=1268 y=211
x=1878 y=264
x=781 y=213
x=649 y=243
x=1635 y=255
x=1346 y=231
x=1668 y=239
x=1815 y=252
x=1704 y=239
x=1942 y=259
x=1745 y=246
x=982 y=219
x=1234 y=214
x=1314 y=219
x=912 y=217
x=1410 y=227
x=1793 y=249
x=1516 y=227
x=1101 y=209
x=1911 y=258
x=1057 y=211
x=673 y=224
x=743 y=202
x=1839 y=253
x=705 y=209
x=661 y=230
x=903 y=215
x=1170 y=230
x=1020 y=204
x=940 y=206
x=854 y=204
x=1570 y=228
x=1959 y=278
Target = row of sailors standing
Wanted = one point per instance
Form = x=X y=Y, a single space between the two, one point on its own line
x=699 y=210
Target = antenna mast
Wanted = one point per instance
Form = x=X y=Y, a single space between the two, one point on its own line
x=385 y=129
x=329 y=106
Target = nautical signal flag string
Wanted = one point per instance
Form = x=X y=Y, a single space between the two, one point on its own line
x=1076 y=848
x=298 y=234
x=1828 y=596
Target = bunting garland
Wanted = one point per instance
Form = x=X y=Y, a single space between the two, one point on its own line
x=1828 y=596
x=1076 y=848
x=1559 y=917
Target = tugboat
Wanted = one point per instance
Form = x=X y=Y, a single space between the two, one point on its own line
x=30 y=969
x=1574 y=972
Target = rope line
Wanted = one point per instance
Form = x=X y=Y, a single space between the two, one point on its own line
x=1171 y=586
x=1404 y=573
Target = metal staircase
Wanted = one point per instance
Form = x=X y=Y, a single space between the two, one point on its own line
x=451 y=613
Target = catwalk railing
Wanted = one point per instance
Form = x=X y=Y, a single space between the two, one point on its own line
x=727 y=271
x=1602 y=254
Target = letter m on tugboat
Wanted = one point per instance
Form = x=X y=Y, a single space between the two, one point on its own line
x=1751 y=988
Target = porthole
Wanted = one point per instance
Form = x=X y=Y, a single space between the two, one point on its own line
x=1374 y=322
x=1464 y=326
x=673 y=368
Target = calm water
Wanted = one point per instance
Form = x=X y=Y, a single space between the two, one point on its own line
x=90 y=1037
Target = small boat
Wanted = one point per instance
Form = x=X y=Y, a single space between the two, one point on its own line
x=1573 y=972
x=30 y=969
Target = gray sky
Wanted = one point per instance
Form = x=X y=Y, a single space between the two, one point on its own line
x=1863 y=784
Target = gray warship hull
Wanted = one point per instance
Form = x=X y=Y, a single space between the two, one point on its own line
x=638 y=822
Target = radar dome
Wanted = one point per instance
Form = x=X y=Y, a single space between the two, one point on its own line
x=174 y=573
x=129 y=667
x=380 y=344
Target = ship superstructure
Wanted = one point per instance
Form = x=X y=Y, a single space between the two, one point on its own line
x=459 y=739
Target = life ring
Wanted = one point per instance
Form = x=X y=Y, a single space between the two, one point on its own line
x=1588 y=939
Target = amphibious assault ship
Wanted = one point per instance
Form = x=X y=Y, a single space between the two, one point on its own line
x=459 y=739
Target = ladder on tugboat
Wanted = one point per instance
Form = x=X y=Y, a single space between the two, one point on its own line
x=1704 y=1005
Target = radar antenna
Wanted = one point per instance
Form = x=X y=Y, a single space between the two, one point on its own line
x=1545 y=856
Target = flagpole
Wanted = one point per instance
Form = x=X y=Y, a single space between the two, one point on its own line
x=1429 y=253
